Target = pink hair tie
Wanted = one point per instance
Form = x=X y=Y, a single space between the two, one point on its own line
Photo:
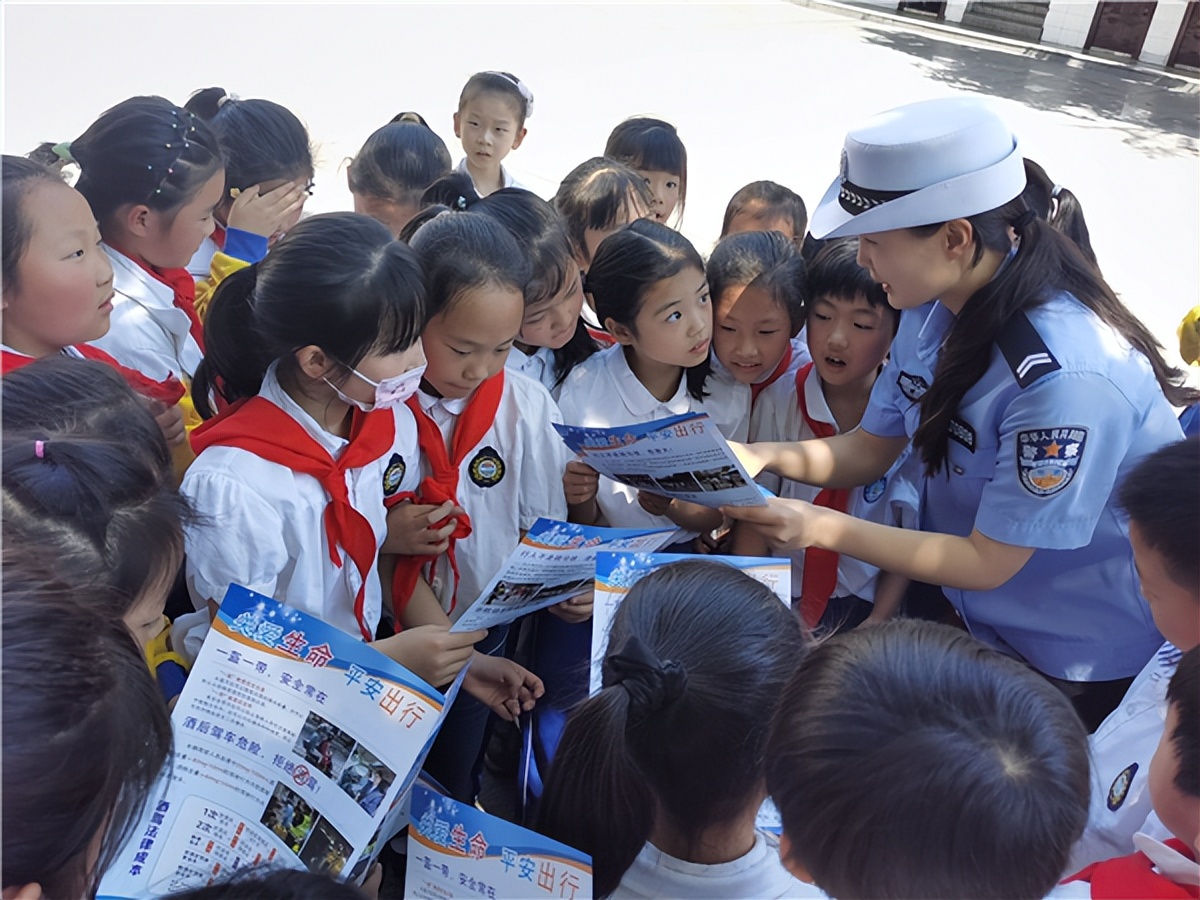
x=39 y=449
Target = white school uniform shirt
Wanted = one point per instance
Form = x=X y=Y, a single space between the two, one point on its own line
x=505 y=176
x=892 y=500
x=201 y=261
x=539 y=366
x=262 y=525
x=147 y=331
x=727 y=392
x=1121 y=749
x=506 y=482
x=759 y=874
x=603 y=392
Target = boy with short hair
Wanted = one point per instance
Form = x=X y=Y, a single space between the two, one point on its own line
x=766 y=206
x=850 y=327
x=1162 y=498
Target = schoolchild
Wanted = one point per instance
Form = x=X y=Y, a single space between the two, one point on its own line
x=650 y=292
x=909 y=760
x=596 y=198
x=1161 y=497
x=393 y=169
x=268 y=178
x=87 y=476
x=85 y=733
x=1028 y=392
x=553 y=338
x=153 y=175
x=490 y=122
x=315 y=348
x=1058 y=207
x=659 y=775
x=1161 y=868
x=850 y=327
x=487 y=447
x=58 y=284
x=652 y=148
x=758 y=284
x=266 y=882
x=766 y=206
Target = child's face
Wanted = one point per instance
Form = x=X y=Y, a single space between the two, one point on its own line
x=380 y=367
x=392 y=213
x=911 y=269
x=469 y=342
x=753 y=220
x=848 y=339
x=63 y=291
x=752 y=332
x=664 y=188
x=1174 y=607
x=145 y=618
x=551 y=323
x=673 y=326
x=176 y=235
x=490 y=128
x=1177 y=811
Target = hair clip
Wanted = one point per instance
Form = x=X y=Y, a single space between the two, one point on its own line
x=227 y=98
x=149 y=167
x=168 y=146
x=170 y=171
x=39 y=449
x=461 y=203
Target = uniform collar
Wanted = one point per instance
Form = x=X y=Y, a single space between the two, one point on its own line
x=429 y=403
x=814 y=400
x=1170 y=863
x=137 y=284
x=272 y=390
x=639 y=401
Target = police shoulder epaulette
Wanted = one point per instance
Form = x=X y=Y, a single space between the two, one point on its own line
x=1025 y=351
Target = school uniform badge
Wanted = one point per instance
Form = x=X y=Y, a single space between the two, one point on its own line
x=1048 y=458
x=487 y=468
x=393 y=474
x=1120 y=787
x=874 y=490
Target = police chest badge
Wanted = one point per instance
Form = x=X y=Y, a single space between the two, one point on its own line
x=912 y=386
x=487 y=468
x=393 y=475
x=1120 y=787
x=1047 y=459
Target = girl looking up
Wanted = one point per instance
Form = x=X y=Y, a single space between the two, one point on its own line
x=1026 y=388
x=652 y=148
x=659 y=776
x=490 y=122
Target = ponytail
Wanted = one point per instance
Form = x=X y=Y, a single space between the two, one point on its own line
x=1058 y=206
x=235 y=362
x=1046 y=261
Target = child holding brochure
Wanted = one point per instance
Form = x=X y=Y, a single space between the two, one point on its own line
x=659 y=776
x=850 y=327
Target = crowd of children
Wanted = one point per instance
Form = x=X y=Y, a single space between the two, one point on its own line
x=951 y=412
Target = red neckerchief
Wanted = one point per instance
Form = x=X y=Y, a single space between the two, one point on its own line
x=600 y=336
x=819 y=580
x=262 y=428
x=218 y=235
x=1133 y=877
x=760 y=386
x=441 y=484
x=170 y=390
x=183 y=286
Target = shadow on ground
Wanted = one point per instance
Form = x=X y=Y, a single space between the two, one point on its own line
x=1158 y=115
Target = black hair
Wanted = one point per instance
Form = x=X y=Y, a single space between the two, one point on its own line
x=87 y=476
x=1161 y=495
x=651 y=145
x=20 y=176
x=339 y=281
x=1057 y=206
x=629 y=262
x=765 y=200
x=1183 y=695
x=1046 y=261
x=455 y=190
x=542 y=235
x=464 y=251
x=597 y=194
x=84 y=727
x=505 y=84
x=144 y=150
x=399 y=161
x=766 y=259
x=260 y=140
x=697 y=656
x=267 y=883
x=910 y=760
x=836 y=274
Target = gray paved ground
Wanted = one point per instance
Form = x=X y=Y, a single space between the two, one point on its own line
x=758 y=90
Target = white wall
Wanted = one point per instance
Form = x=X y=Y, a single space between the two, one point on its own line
x=1164 y=28
x=1068 y=22
x=955 y=10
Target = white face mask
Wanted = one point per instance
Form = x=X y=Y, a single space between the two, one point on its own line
x=388 y=393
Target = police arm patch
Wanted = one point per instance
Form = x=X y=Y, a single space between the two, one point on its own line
x=1048 y=458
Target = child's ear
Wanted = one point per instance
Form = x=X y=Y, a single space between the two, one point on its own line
x=620 y=333
x=136 y=219
x=457 y=129
x=789 y=861
x=313 y=361
x=520 y=137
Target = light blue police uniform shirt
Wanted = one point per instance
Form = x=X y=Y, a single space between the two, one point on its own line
x=1064 y=410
